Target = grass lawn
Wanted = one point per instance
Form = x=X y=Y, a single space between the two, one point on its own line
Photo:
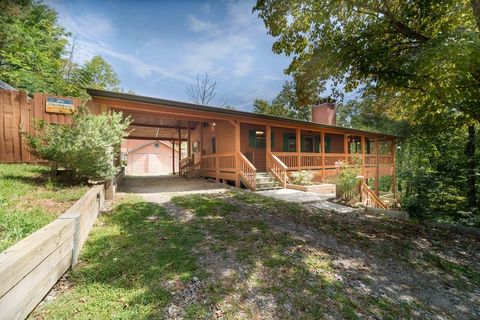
x=29 y=199
x=238 y=255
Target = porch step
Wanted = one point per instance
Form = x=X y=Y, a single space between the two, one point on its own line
x=265 y=181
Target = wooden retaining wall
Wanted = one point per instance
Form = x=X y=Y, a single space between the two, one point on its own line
x=31 y=267
x=19 y=111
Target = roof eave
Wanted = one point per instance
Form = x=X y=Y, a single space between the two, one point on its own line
x=197 y=107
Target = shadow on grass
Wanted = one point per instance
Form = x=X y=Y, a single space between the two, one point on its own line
x=140 y=262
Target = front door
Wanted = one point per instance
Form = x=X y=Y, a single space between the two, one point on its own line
x=256 y=152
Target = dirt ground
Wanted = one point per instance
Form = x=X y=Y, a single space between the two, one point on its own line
x=400 y=268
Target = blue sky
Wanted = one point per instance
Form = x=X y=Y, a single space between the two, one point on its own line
x=158 y=47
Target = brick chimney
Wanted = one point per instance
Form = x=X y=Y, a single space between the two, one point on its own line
x=324 y=113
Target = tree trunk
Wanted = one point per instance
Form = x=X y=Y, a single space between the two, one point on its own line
x=471 y=168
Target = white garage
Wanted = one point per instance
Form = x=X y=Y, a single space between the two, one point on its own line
x=152 y=157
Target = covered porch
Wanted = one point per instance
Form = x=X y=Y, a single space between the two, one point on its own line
x=233 y=146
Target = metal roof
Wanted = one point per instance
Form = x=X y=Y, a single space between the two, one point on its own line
x=197 y=107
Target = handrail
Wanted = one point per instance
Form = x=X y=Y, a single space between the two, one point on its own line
x=369 y=198
x=186 y=164
x=278 y=169
x=248 y=172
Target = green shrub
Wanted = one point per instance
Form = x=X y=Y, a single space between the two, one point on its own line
x=347 y=178
x=87 y=148
x=302 y=177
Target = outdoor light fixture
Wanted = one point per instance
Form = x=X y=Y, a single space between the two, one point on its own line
x=213 y=124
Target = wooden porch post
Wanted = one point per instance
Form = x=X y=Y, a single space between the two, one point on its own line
x=201 y=142
x=298 y=143
x=394 y=180
x=173 y=157
x=179 y=148
x=363 y=154
x=268 y=142
x=345 y=147
x=189 y=150
x=322 y=145
x=217 y=164
x=237 y=153
x=377 y=169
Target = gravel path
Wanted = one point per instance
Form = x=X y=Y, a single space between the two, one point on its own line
x=363 y=272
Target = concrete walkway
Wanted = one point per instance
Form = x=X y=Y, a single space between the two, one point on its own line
x=162 y=188
x=296 y=196
x=311 y=198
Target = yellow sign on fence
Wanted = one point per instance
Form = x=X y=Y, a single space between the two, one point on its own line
x=59 y=105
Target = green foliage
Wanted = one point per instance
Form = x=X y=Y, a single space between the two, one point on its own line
x=346 y=179
x=284 y=105
x=31 y=46
x=302 y=177
x=416 y=65
x=33 y=53
x=420 y=54
x=130 y=257
x=87 y=147
x=94 y=73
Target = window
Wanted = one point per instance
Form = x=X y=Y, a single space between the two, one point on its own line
x=214 y=145
x=328 y=144
x=257 y=139
x=289 y=142
x=307 y=144
x=157 y=145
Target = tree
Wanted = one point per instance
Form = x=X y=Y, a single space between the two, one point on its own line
x=417 y=50
x=33 y=54
x=285 y=105
x=202 y=91
x=86 y=148
x=31 y=46
x=99 y=75
x=95 y=73
x=419 y=60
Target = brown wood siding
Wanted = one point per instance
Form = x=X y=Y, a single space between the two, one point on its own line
x=18 y=112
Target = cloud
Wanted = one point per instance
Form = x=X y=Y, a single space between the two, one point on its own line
x=205 y=8
x=201 y=26
x=227 y=47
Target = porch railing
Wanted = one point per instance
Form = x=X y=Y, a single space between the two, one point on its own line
x=310 y=160
x=186 y=164
x=248 y=172
x=226 y=162
x=278 y=169
x=368 y=198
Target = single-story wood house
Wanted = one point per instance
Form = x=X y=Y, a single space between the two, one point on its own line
x=234 y=146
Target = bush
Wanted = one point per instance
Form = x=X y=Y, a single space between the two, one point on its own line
x=87 y=148
x=302 y=177
x=347 y=178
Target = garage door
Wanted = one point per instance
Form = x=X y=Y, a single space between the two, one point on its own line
x=139 y=164
x=159 y=163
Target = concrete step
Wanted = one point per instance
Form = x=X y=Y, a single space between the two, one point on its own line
x=267 y=185
x=267 y=189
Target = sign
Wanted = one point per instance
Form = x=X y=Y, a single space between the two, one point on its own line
x=59 y=105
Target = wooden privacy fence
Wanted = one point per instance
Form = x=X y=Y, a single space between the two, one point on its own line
x=31 y=267
x=18 y=110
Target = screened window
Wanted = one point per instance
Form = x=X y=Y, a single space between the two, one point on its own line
x=257 y=139
x=289 y=142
